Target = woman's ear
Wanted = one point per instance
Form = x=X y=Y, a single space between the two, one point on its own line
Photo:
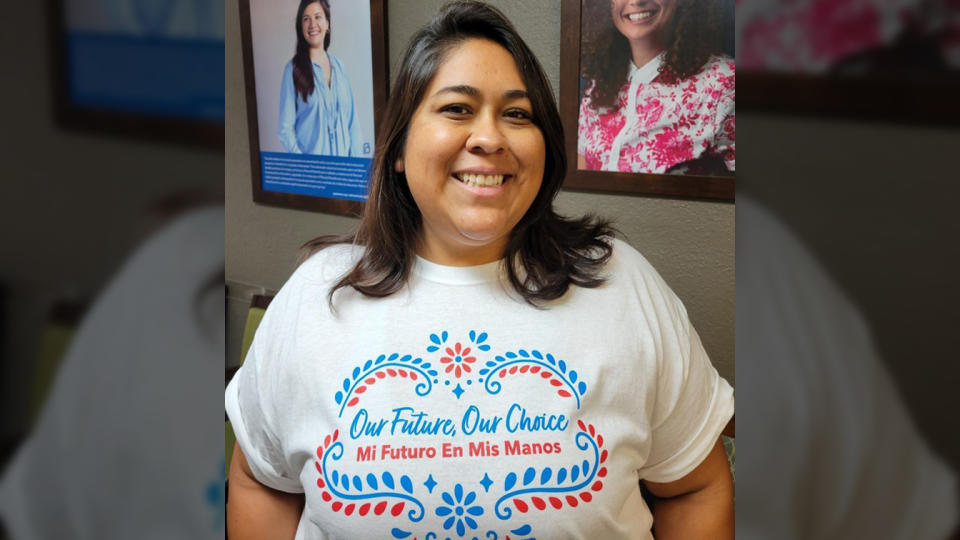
x=398 y=165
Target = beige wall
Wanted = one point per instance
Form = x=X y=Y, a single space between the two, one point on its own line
x=690 y=242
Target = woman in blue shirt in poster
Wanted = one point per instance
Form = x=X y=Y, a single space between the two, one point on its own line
x=317 y=114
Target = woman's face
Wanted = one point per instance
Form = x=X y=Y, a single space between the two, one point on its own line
x=314 y=25
x=640 y=20
x=473 y=157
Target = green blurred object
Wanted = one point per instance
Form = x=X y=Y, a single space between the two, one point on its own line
x=258 y=306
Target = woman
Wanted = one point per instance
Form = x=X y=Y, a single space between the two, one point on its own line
x=469 y=363
x=659 y=94
x=317 y=114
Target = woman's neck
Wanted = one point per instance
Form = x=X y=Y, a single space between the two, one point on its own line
x=318 y=55
x=643 y=51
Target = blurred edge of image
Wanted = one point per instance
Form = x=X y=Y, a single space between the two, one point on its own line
x=112 y=274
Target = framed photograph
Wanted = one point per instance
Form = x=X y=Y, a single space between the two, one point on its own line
x=895 y=61
x=150 y=70
x=316 y=81
x=665 y=127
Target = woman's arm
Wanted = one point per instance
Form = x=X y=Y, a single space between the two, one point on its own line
x=256 y=512
x=699 y=505
x=288 y=112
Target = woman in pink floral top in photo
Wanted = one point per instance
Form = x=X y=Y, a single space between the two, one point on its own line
x=658 y=92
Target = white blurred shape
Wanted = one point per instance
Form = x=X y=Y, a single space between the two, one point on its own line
x=129 y=442
x=835 y=454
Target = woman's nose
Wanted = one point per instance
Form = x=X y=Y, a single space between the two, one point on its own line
x=486 y=136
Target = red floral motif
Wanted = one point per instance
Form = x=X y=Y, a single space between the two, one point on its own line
x=671 y=147
x=458 y=360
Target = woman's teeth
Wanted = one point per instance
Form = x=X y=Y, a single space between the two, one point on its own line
x=640 y=16
x=480 y=179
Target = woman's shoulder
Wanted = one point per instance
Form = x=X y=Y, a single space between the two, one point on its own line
x=719 y=66
x=328 y=265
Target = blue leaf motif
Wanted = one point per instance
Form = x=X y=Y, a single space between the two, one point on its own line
x=433 y=372
x=393 y=357
x=435 y=339
x=574 y=473
x=381 y=358
x=482 y=372
x=528 y=475
x=511 y=355
x=357 y=484
x=426 y=365
x=551 y=359
x=500 y=359
x=482 y=337
x=398 y=533
x=367 y=364
x=522 y=530
x=483 y=347
x=372 y=481
x=510 y=481
x=473 y=336
x=406 y=358
x=537 y=354
x=345 y=482
x=356 y=372
x=406 y=484
x=444 y=335
x=561 y=475
x=586 y=467
x=387 y=479
x=582 y=387
x=545 y=475
x=524 y=353
x=338 y=397
x=491 y=363
x=417 y=361
x=335 y=477
x=563 y=366
x=346 y=385
x=573 y=376
x=433 y=348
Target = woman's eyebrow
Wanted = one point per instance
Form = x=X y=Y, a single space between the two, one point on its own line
x=473 y=91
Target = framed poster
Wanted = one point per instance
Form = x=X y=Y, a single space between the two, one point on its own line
x=151 y=70
x=316 y=79
x=896 y=60
x=665 y=127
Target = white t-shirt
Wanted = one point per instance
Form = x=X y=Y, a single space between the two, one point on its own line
x=451 y=409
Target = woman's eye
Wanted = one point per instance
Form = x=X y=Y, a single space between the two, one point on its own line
x=456 y=109
x=518 y=114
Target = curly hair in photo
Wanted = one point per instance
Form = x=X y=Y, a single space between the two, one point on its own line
x=694 y=34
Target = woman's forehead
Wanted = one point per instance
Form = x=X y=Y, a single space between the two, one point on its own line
x=478 y=63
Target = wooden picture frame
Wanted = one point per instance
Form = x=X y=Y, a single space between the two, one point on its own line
x=667 y=185
x=84 y=100
x=311 y=194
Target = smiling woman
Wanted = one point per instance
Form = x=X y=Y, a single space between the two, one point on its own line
x=549 y=366
x=317 y=111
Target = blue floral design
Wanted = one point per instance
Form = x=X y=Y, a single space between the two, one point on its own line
x=459 y=510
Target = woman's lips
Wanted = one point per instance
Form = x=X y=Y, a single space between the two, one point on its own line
x=640 y=16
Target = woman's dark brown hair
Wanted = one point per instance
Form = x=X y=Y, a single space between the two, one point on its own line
x=302 y=65
x=693 y=35
x=547 y=252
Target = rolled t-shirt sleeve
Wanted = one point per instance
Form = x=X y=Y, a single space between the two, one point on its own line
x=249 y=404
x=693 y=403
